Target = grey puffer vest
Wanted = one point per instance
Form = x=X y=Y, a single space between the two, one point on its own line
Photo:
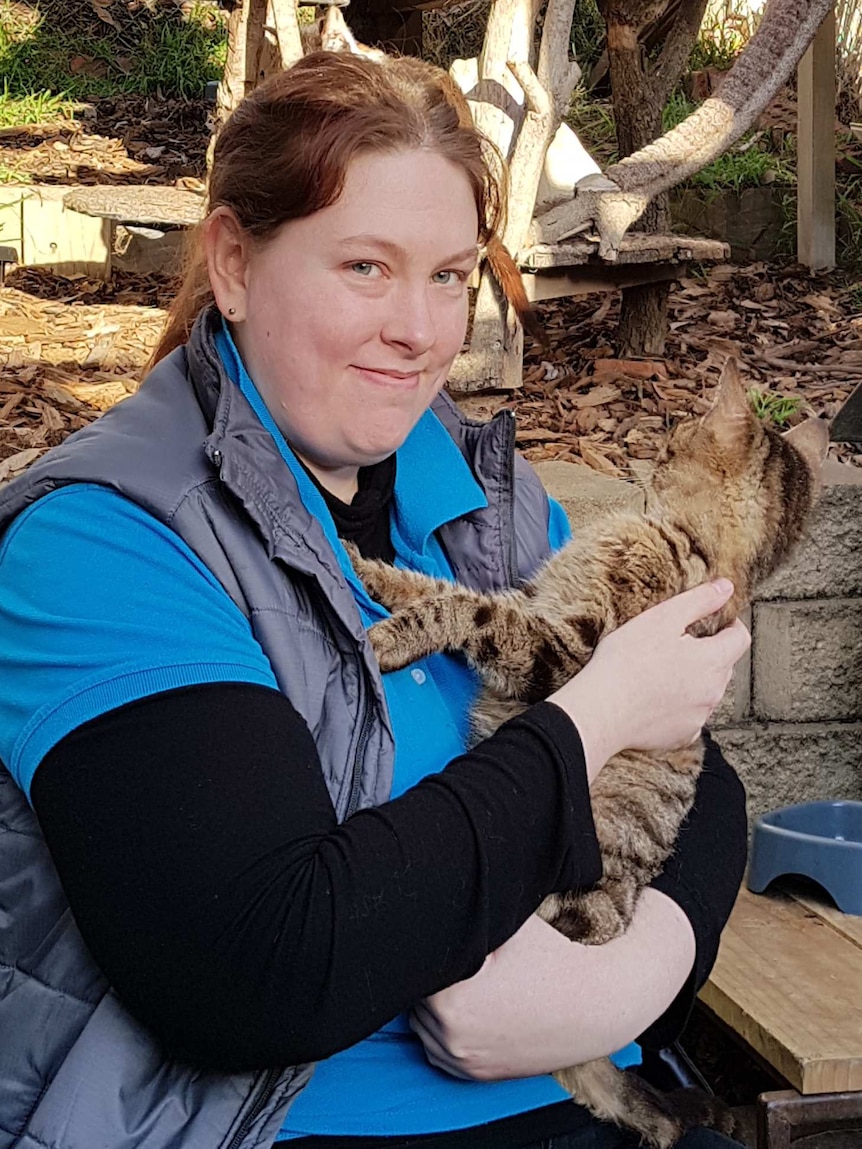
x=76 y=1070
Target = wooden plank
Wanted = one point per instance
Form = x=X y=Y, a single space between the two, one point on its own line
x=815 y=172
x=848 y=925
x=788 y=980
x=634 y=249
x=581 y=280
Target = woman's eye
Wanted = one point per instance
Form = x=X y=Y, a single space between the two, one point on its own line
x=448 y=278
x=365 y=269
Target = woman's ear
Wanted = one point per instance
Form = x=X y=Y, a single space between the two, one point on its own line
x=227 y=245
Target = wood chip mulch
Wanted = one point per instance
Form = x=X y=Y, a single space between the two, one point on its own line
x=795 y=334
x=69 y=355
x=121 y=140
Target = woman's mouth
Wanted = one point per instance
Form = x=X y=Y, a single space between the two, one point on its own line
x=383 y=377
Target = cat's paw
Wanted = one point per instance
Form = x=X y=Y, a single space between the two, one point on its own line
x=592 y=918
x=376 y=576
x=387 y=639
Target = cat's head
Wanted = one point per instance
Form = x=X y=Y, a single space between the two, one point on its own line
x=742 y=488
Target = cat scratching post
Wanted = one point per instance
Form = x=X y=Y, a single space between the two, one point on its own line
x=758 y=74
x=519 y=107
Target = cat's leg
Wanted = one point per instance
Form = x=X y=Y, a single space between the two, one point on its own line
x=518 y=654
x=629 y=1101
x=390 y=586
x=639 y=802
x=430 y=615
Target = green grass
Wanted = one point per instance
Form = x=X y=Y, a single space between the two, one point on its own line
x=749 y=163
x=855 y=299
x=719 y=43
x=848 y=219
x=11 y=176
x=774 y=408
x=593 y=122
x=34 y=108
x=588 y=34
x=169 y=55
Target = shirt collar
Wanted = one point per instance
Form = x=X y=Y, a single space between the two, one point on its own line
x=433 y=481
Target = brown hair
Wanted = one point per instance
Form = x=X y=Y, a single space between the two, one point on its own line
x=285 y=151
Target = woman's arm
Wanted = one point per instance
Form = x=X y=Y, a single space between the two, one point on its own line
x=199 y=850
x=566 y=1002
x=541 y=1002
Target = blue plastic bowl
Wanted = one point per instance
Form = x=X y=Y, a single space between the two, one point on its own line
x=817 y=840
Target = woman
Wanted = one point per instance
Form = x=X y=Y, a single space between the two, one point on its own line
x=272 y=857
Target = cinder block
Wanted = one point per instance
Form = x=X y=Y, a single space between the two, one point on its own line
x=586 y=495
x=783 y=763
x=736 y=704
x=807 y=664
x=828 y=563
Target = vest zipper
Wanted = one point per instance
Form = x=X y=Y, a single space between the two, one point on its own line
x=509 y=495
x=362 y=742
x=263 y=1095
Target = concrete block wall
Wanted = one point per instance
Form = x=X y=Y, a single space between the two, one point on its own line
x=791 y=721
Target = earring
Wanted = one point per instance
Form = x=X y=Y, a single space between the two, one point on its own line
x=231 y=311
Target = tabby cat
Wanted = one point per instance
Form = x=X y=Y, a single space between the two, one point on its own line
x=729 y=497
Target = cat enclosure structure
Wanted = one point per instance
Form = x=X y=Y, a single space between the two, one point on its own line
x=568 y=223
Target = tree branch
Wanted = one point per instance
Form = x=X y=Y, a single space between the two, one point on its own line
x=677 y=46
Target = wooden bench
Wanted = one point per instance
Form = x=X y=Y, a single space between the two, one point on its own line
x=788 y=983
x=149 y=211
x=139 y=205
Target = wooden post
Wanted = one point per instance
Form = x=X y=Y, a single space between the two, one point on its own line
x=815 y=229
x=287 y=31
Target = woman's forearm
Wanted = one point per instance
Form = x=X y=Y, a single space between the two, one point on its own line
x=541 y=1002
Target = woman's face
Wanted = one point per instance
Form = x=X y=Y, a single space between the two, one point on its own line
x=350 y=319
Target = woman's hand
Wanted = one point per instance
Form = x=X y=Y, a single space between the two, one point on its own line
x=541 y=1002
x=650 y=685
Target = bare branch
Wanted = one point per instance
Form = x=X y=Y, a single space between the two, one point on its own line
x=676 y=49
x=287 y=31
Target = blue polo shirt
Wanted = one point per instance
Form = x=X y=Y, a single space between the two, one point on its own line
x=101 y=604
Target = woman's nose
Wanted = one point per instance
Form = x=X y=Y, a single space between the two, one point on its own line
x=410 y=321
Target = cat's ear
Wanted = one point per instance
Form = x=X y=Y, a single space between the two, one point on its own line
x=811 y=439
x=335 y=34
x=730 y=420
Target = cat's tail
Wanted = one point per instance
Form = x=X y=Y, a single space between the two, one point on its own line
x=625 y=1099
x=506 y=272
